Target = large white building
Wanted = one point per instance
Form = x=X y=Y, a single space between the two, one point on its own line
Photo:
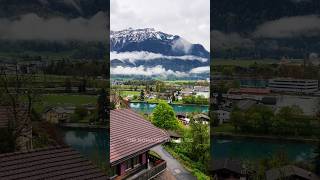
x=304 y=86
x=223 y=115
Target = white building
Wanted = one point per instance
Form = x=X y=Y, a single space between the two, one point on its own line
x=304 y=86
x=223 y=115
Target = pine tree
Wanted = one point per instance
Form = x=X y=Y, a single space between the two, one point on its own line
x=102 y=105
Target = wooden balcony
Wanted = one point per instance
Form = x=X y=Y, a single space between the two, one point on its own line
x=155 y=167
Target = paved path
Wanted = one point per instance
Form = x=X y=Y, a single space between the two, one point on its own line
x=176 y=169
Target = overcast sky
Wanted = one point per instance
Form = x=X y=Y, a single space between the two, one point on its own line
x=189 y=19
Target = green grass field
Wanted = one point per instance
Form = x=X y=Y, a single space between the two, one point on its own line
x=129 y=93
x=64 y=100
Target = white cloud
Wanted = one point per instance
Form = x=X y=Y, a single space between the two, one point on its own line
x=181 y=44
x=220 y=40
x=156 y=71
x=144 y=55
x=187 y=18
x=32 y=27
x=200 y=70
x=142 y=71
x=290 y=27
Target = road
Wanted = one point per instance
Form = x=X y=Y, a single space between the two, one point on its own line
x=173 y=165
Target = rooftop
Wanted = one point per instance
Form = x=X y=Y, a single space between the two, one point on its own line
x=288 y=171
x=131 y=134
x=48 y=163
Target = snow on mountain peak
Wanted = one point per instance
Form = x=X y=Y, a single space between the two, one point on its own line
x=139 y=35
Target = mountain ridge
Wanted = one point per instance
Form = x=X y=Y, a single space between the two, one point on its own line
x=151 y=40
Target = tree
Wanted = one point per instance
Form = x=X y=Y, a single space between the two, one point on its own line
x=199 y=147
x=160 y=86
x=141 y=95
x=68 y=86
x=17 y=93
x=81 y=111
x=102 y=104
x=164 y=117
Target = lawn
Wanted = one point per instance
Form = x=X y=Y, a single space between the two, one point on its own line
x=129 y=93
x=64 y=100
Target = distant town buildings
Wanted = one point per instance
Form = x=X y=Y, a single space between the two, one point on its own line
x=304 y=86
x=223 y=115
x=58 y=114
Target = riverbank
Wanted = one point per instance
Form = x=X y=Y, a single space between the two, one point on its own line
x=83 y=126
x=264 y=137
x=173 y=103
x=187 y=164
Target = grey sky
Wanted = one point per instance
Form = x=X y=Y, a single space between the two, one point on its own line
x=187 y=18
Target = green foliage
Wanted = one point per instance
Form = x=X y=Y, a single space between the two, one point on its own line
x=195 y=168
x=76 y=68
x=198 y=147
x=7 y=142
x=68 y=85
x=164 y=117
x=102 y=104
x=79 y=114
x=261 y=119
x=141 y=95
x=81 y=111
x=277 y=160
x=195 y=100
x=160 y=86
x=35 y=116
x=41 y=140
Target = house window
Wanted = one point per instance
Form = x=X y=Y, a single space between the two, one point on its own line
x=135 y=161
x=113 y=171
x=128 y=164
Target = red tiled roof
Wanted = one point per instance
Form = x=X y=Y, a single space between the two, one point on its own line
x=131 y=134
x=48 y=163
x=250 y=91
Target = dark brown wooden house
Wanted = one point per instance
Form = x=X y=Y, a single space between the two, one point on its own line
x=290 y=172
x=131 y=138
x=227 y=169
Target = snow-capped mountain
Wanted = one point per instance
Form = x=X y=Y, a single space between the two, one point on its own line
x=148 y=39
x=144 y=49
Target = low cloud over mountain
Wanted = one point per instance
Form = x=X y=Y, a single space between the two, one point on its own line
x=149 y=52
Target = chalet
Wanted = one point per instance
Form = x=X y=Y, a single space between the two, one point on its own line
x=174 y=136
x=290 y=172
x=223 y=115
x=187 y=92
x=48 y=163
x=202 y=118
x=24 y=138
x=181 y=115
x=131 y=138
x=58 y=114
x=223 y=169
